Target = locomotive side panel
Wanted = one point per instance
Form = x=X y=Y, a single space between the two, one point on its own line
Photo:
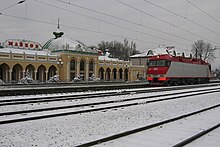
x=186 y=70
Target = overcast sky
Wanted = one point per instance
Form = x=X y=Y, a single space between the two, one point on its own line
x=92 y=21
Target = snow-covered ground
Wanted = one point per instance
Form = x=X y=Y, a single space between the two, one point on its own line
x=116 y=101
x=52 y=104
x=209 y=140
x=75 y=129
x=170 y=134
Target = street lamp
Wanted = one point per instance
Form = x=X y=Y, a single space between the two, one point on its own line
x=60 y=62
x=126 y=73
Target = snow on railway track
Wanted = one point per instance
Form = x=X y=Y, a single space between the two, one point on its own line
x=169 y=134
x=23 y=113
x=83 y=127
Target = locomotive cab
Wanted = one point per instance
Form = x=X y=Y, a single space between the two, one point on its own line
x=157 y=69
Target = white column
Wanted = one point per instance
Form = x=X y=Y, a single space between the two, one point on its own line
x=23 y=73
x=130 y=75
x=19 y=74
x=104 y=75
x=87 y=71
x=95 y=70
x=117 y=75
x=46 y=75
x=111 y=76
x=6 y=76
x=77 y=68
x=123 y=76
x=35 y=75
x=10 y=74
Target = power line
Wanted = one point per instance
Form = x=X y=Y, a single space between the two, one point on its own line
x=203 y=11
x=164 y=21
x=18 y=3
x=185 y=18
x=78 y=28
x=125 y=20
x=99 y=20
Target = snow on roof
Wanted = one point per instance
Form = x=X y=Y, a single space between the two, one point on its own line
x=24 y=51
x=139 y=55
x=106 y=57
x=161 y=51
x=63 y=43
x=151 y=52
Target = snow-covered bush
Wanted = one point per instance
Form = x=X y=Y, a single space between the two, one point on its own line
x=77 y=79
x=26 y=79
x=54 y=79
x=1 y=82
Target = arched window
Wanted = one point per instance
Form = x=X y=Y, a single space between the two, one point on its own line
x=120 y=74
x=72 y=64
x=108 y=74
x=82 y=69
x=4 y=74
x=114 y=73
x=72 y=69
x=91 y=68
x=41 y=73
x=90 y=65
x=51 y=72
x=17 y=73
x=82 y=65
x=30 y=71
x=101 y=73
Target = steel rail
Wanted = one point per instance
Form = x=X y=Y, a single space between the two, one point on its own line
x=147 y=127
x=196 y=136
x=115 y=101
x=73 y=88
x=88 y=110
x=85 y=96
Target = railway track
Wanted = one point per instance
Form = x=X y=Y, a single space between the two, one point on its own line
x=35 y=114
x=11 y=91
x=196 y=136
x=64 y=88
x=94 y=122
x=18 y=101
x=150 y=130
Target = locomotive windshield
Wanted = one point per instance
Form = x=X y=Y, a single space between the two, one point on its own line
x=161 y=62
x=152 y=63
x=156 y=63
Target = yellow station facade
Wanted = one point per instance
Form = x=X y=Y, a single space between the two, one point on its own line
x=64 y=57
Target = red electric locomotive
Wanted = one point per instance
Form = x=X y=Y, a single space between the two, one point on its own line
x=166 y=69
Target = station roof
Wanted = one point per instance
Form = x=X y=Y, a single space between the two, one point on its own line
x=25 y=51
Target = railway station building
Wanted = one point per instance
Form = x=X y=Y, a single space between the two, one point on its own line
x=64 y=57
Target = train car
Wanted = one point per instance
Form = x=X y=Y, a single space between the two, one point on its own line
x=166 y=69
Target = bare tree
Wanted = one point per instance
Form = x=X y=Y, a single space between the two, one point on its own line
x=119 y=50
x=203 y=50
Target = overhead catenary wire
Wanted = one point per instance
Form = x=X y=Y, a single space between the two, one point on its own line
x=139 y=31
x=18 y=3
x=104 y=21
x=165 y=21
x=78 y=28
x=176 y=14
x=125 y=20
x=218 y=21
